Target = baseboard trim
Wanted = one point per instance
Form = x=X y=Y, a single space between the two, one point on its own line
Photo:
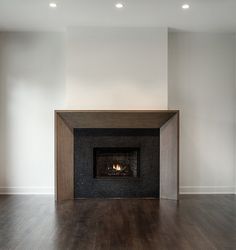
x=182 y=189
x=27 y=190
x=207 y=190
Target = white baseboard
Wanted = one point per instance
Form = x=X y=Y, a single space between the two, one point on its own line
x=26 y=190
x=182 y=189
x=207 y=190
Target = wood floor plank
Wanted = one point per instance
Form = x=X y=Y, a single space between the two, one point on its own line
x=194 y=222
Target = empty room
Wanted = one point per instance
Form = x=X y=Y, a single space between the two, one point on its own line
x=117 y=125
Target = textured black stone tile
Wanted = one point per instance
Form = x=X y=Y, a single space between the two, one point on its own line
x=147 y=185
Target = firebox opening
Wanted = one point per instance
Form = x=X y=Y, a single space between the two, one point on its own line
x=116 y=162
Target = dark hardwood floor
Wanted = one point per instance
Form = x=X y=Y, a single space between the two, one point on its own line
x=195 y=222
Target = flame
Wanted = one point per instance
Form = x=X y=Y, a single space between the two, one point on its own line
x=116 y=167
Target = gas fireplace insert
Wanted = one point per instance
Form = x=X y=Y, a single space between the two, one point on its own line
x=116 y=162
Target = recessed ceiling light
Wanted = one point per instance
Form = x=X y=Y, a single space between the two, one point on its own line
x=185 y=6
x=119 y=5
x=52 y=5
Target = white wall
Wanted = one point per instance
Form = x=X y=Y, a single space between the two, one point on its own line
x=202 y=86
x=116 y=68
x=31 y=87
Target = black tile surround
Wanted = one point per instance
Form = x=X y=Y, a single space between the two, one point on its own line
x=86 y=186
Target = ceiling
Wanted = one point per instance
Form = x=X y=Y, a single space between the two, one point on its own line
x=34 y=15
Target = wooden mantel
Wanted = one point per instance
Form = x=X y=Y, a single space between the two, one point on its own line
x=166 y=120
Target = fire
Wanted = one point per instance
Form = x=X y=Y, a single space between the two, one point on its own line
x=116 y=167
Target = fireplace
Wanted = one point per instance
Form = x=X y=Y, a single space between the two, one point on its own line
x=116 y=162
x=80 y=135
